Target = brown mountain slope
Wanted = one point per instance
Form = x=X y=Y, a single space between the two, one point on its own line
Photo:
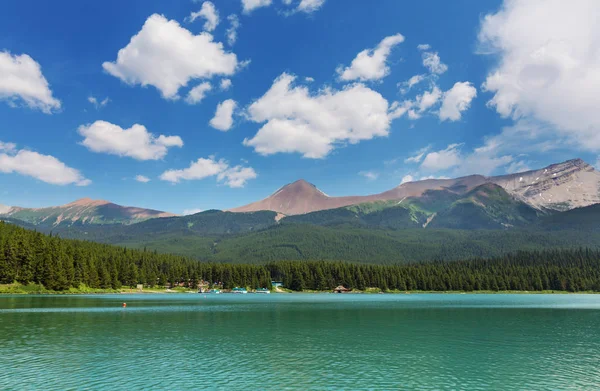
x=302 y=197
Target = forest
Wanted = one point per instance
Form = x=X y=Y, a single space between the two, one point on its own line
x=59 y=264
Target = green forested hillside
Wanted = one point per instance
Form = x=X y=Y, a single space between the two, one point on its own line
x=309 y=242
x=59 y=264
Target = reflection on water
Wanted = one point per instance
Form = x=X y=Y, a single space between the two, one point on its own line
x=302 y=341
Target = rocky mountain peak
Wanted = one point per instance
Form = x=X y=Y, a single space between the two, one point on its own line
x=561 y=186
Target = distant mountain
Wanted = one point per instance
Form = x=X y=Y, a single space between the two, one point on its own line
x=82 y=212
x=561 y=186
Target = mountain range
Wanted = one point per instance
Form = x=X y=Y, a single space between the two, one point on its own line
x=561 y=186
x=435 y=218
x=84 y=211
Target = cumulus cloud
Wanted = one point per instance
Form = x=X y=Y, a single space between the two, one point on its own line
x=431 y=61
x=309 y=6
x=202 y=168
x=135 y=142
x=223 y=119
x=371 y=64
x=456 y=100
x=314 y=124
x=370 y=175
x=428 y=99
x=167 y=56
x=407 y=178
x=442 y=160
x=207 y=12
x=198 y=93
x=453 y=103
x=22 y=81
x=46 y=168
x=250 y=5
x=237 y=176
x=225 y=84
x=142 y=178
x=234 y=25
x=549 y=68
x=98 y=104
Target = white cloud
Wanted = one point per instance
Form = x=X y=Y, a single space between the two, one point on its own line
x=549 y=67
x=456 y=100
x=314 y=124
x=167 y=56
x=398 y=109
x=9 y=148
x=251 y=5
x=187 y=212
x=198 y=93
x=428 y=99
x=424 y=46
x=370 y=175
x=223 y=119
x=234 y=25
x=371 y=64
x=431 y=61
x=407 y=178
x=306 y=6
x=208 y=12
x=442 y=160
x=309 y=6
x=309 y=79
x=424 y=178
x=236 y=176
x=225 y=84
x=21 y=80
x=142 y=178
x=135 y=142
x=418 y=156
x=417 y=107
x=46 y=168
x=98 y=104
x=410 y=83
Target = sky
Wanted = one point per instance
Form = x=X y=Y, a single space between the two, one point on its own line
x=185 y=106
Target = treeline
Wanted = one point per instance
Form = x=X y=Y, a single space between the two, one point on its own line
x=59 y=264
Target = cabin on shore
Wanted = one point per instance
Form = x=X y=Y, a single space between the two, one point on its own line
x=277 y=284
x=341 y=289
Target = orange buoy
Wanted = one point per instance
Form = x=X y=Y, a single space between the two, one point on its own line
x=124 y=305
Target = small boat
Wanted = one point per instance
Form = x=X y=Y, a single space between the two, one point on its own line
x=262 y=290
x=239 y=290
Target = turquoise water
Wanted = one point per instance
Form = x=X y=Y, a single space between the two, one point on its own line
x=300 y=342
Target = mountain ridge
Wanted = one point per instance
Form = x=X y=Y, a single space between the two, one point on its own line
x=84 y=211
x=560 y=186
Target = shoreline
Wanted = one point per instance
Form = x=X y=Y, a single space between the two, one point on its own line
x=34 y=289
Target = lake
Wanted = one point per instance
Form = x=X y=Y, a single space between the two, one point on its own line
x=300 y=342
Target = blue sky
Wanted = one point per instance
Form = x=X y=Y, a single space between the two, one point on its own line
x=95 y=94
